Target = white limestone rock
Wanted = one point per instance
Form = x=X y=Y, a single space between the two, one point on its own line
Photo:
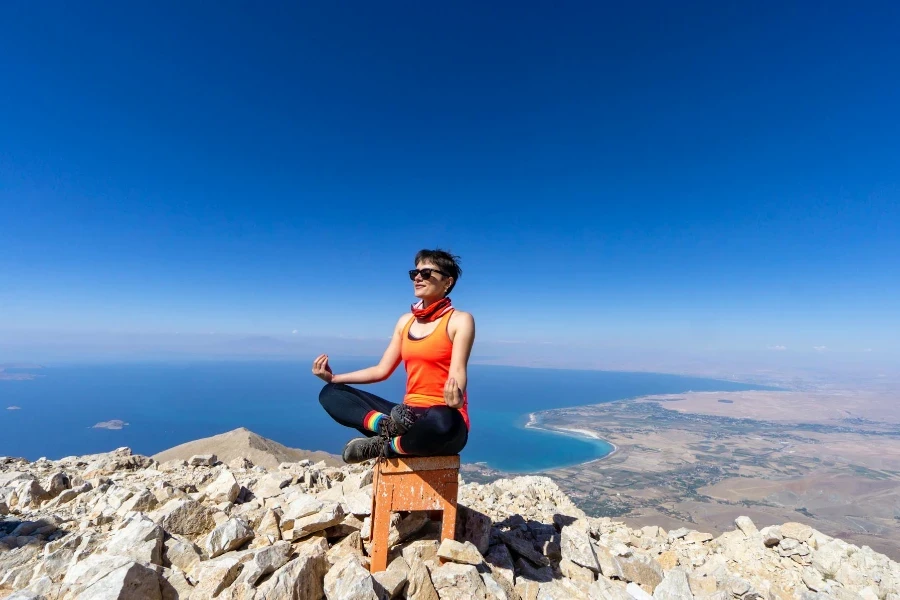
x=463 y=553
x=203 y=460
x=575 y=544
x=141 y=539
x=454 y=581
x=230 y=535
x=674 y=586
x=348 y=580
x=301 y=578
x=185 y=516
x=224 y=488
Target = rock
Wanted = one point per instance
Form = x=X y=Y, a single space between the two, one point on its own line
x=603 y=589
x=215 y=575
x=420 y=586
x=674 y=586
x=420 y=551
x=184 y=516
x=525 y=570
x=771 y=536
x=174 y=585
x=464 y=553
x=813 y=580
x=738 y=586
x=92 y=569
x=524 y=549
x=454 y=581
x=635 y=591
x=240 y=463
x=30 y=494
x=359 y=502
x=348 y=580
x=352 y=544
x=392 y=580
x=181 y=553
x=667 y=560
x=330 y=514
x=143 y=501
x=228 y=536
x=746 y=526
x=224 y=488
x=301 y=578
x=868 y=593
x=59 y=482
x=501 y=563
x=796 y=531
x=271 y=485
x=641 y=569
x=609 y=564
x=132 y=581
x=407 y=526
x=827 y=559
x=141 y=539
x=696 y=537
x=677 y=534
x=203 y=460
x=575 y=572
x=498 y=588
x=562 y=589
x=268 y=531
x=527 y=589
x=702 y=585
x=575 y=545
x=265 y=561
x=473 y=526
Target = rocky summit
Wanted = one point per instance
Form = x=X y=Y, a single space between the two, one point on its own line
x=123 y=526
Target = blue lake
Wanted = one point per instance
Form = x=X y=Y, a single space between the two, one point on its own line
x=167 y=404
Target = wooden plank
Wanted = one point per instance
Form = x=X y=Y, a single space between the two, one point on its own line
x=418 y=463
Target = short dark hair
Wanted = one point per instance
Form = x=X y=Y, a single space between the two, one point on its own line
x=445 y=261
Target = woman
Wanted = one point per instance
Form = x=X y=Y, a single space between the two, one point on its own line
x=434 y=341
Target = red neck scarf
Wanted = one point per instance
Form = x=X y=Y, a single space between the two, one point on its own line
x=433 y=311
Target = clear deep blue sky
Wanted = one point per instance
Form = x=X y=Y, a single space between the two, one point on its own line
x=661 y=175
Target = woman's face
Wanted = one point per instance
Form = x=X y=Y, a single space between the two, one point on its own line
x=434 y=286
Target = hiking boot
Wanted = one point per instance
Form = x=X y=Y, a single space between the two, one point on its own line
x=402 y=418
x=359 y=450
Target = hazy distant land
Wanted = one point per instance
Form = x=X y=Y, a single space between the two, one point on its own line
x=830 y=459
x=18 y=372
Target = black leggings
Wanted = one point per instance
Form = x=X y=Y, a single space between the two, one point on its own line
x=439 y=430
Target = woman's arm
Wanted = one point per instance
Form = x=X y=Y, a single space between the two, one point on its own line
x=385 y=367
x=463 y=337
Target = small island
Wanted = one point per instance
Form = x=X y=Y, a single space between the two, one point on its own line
x=112 y=424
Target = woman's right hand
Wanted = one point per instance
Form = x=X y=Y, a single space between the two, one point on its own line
x=322 y=369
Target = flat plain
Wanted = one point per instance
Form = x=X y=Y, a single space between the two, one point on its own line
x=827 y=458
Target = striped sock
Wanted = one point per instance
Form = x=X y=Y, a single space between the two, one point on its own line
x=395 y=446
x=372 y=419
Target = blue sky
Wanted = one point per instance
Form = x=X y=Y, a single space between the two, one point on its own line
x=669 y=177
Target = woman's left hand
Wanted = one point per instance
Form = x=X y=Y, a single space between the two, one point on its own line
x=453 y=396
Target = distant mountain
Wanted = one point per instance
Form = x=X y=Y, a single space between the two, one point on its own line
x=242 y=442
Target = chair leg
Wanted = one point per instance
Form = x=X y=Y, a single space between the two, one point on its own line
x=448 y=523
x=381 y=529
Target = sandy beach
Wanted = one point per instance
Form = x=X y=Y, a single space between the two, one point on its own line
x=574 y=431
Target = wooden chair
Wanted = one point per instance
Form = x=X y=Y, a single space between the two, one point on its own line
x=413 y=483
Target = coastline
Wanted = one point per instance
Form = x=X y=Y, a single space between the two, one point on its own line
x=574 y=432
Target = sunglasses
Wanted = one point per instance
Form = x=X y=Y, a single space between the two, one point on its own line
x=425 y=273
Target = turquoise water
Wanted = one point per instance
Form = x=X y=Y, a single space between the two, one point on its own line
x=166 y=404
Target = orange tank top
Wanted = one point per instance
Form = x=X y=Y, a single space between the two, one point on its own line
x=427 y=362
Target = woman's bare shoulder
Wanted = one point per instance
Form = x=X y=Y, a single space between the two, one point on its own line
x=402 y=321
x=461 y=316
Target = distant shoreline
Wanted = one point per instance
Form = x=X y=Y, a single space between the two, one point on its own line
x=573 y=432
